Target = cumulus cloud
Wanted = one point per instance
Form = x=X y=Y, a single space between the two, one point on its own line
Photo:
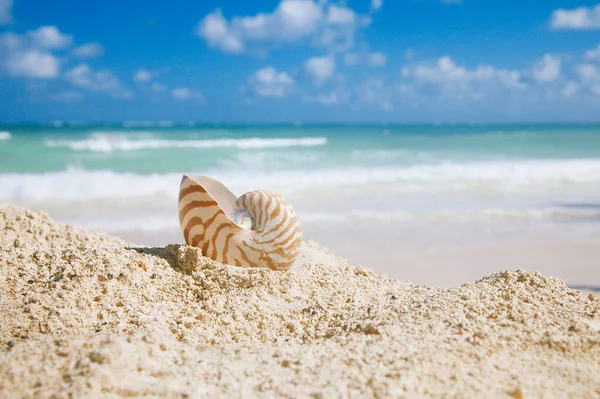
x=570 y=89
x=547 y=69
x=49 y=37
x=339 y=15
x=268 y=82
x=374 y=59
x=157 y=87
x=104 y=80
x=589 y=78
x=458 y=81
x=215 y=29
x=185 y=93
x=144 y=75
x=377 y=59
x=31 y=63
x=375 y=91
x=89 y=50
x=577 y=18
x=376 y=5
x=67 y=96
x=351 y=59
x=320 y=69
x=331 y=98
x=326 y=25
x=31 y=55
x=588 y=72
x=593 y=54
x=6 y=12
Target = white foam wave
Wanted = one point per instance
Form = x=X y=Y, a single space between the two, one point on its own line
x=79 y=184
x=109 y=142
x=5 y=135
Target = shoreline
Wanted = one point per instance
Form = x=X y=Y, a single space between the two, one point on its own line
x=575 y=260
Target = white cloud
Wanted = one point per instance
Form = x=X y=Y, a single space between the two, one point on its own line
x=547 y=69
x=144 y=75
x=577 y=18
x=376 y=5
x=320 y=69
x=5 y=12
x=184 y=93
x=215 y=30
x=338 y=15
x=88 y=50
x=374 y=59
x=325 y=25
x=268 y=82
x=458 y=81
x=30 y=55
x=157 y=87
x=377 y=59
x=103 y=80
x=67 y=96
x=589 y=80
x=337 y=95
x=588 y=73
x=570 y=89
x=409 y=54
x=351 y=59
x=331 y=98
x=375 y=91
x=593 y=54
x=31 y=64
x=49 y=37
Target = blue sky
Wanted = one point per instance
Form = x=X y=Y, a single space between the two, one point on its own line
x=373 y=61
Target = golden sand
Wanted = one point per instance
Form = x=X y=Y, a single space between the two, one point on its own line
x=87 y=315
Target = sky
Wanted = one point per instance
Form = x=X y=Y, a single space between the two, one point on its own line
x=311 y=61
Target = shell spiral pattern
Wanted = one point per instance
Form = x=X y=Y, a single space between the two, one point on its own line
x=258 y=229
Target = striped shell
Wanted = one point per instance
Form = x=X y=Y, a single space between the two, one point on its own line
x=258 y=229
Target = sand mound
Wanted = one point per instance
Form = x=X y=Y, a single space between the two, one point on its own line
x=85 y=314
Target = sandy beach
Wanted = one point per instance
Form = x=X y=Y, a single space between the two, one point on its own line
x=88 y=315
x=445 y=260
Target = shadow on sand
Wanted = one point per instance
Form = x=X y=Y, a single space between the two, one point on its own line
x=168 y=253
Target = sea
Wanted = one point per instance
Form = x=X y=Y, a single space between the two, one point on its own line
x=416 y=184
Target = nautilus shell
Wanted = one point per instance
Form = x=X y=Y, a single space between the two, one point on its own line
x=258 y=229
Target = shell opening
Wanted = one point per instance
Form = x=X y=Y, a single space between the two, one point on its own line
x=244 y=219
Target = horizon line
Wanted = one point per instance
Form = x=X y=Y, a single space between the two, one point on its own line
x=168 y=123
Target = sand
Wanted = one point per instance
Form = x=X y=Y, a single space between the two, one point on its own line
x=449 y=255
x=88 y=315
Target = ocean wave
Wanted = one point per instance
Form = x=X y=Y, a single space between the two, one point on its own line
x=80 y=184
x=5 y=135
x=114 y=142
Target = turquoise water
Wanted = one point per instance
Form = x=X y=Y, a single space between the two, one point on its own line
x=37 y=149
x=90 y=174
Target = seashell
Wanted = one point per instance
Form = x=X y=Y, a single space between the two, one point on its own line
x=258 y=229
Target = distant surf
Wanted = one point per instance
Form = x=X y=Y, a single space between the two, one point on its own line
x=77 y=184
x=5 y=135
x=108 y=143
